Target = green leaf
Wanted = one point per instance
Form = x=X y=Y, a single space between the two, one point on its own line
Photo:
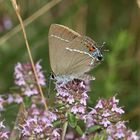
x=56 y=123
x=93 y=128
x=101 y=136
x=72 y=120
x=79 y=130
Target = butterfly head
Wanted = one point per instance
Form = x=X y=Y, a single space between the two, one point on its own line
x=94 y=50
x=97 y=54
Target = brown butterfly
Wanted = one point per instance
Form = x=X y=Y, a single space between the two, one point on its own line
x=71 y=54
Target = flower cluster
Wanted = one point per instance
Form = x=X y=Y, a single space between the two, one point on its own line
x=10 y=98
x=39 y=125
x=104 y=113
x=4 y=134
x=73 y=95
x=120 y=131
x=70 y=107
x=24 y=78
x=14 y=98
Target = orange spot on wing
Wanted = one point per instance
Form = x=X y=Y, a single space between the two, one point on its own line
x=91 y=49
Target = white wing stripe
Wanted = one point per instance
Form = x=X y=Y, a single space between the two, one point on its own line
x=60 y=38
x=82 y=52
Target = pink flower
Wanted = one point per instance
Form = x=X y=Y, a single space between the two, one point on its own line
x=25 y=78
x=39 y=124
x=29 y=92
x=117 y=109
x=18 y=99
x=114 y=100
x=74 y=109
x=83 y=101
x=10 y=99
x=105 y=122
x=119 y=134
x=88 y=119
x=55 y=133
x=4 y=134
x=106 y=113
x=93 y=111
x=41 y=77
x=99 y=104
x=120 y=125
x=119 y=131
x=61 y=91
x=81 y=109
x=38 y=129
x=82 y=85
x=73 y=95
x=19 y=77
x=133 y=136
x=70 y=99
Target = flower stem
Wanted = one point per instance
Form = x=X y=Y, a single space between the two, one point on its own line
x=16 y=8
x=64 y=130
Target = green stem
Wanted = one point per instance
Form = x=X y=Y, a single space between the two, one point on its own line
x=64 y=130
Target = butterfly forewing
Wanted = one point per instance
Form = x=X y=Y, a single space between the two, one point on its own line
x=59 y=38
x=64 y=61
x=62 y=32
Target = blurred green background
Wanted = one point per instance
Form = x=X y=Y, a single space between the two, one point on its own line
x=115 y=22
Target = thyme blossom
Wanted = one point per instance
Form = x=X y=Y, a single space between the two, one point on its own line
x=24 y=78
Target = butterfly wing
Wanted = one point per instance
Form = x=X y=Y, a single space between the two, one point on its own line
x=63 y=61
x=80 y=61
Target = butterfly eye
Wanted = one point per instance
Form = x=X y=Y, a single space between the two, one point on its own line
x=100 y=57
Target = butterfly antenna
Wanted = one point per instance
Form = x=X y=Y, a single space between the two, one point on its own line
x=102 y=46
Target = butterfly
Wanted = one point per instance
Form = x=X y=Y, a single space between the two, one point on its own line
x=71 y=54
